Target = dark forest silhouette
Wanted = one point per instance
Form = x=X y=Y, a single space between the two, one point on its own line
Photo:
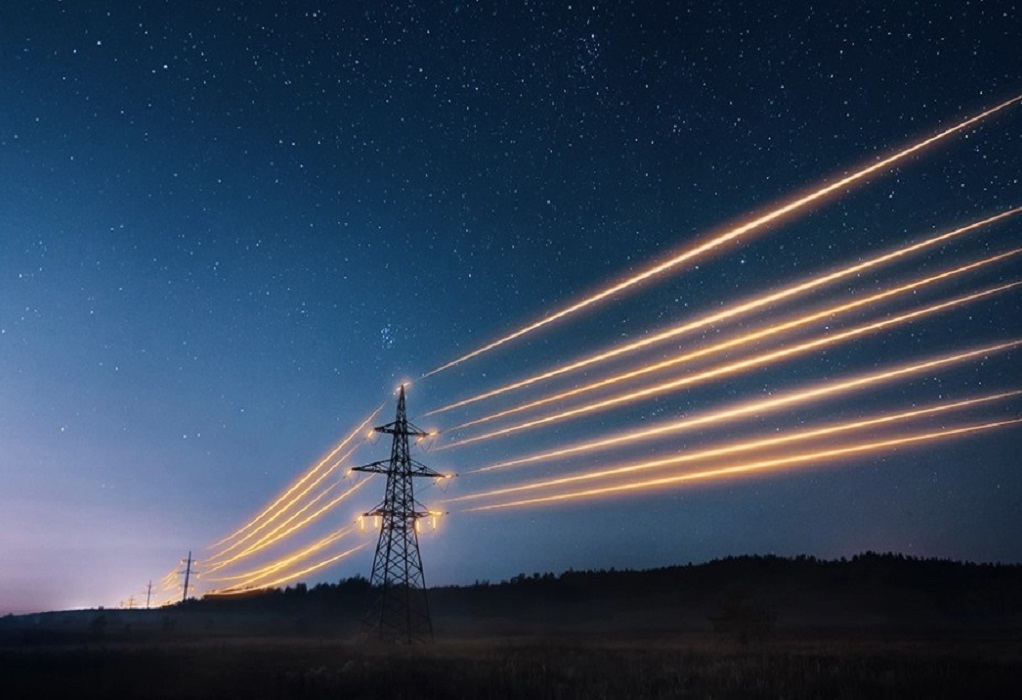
x=875 y=625
x=747 y=598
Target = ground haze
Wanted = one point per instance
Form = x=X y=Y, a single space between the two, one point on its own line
x=872 y=626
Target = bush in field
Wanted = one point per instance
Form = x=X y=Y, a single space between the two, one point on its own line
x=97 y=628
x=744 y=620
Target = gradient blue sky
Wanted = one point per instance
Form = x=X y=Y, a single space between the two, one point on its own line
x=227 y=230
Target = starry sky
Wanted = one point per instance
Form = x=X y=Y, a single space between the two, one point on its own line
x=228 y=230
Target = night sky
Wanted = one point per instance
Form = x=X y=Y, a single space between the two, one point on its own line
x=229 y=230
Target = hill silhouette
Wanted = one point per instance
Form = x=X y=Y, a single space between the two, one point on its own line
x=868 y=588
x=875 y=625
x=869 y=592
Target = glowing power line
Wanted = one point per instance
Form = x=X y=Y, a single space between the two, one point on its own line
x=305 y=477
x=730 y=235
x=746 y=339
x=733 y=448
x=790 y=399
x=250 y=577
x=294 y=575
x=286 y=507
x=734 y=367
x=729 y=312
x=761 y=465
x=286 y=529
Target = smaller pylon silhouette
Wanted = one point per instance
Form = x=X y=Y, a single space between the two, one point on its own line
x=399 y=608
x=188 y=572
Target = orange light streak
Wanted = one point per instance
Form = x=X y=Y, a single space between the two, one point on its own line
x=794 y=398
x=296 y=574
x=733 y=311
x=761 y=465
x=283 y=530
x=731 y=234
x=267 y=539
x=739 y=341
x=797 y=436
x=250 y=577
x=281 y=511
x=308 y=475
x=734 y=367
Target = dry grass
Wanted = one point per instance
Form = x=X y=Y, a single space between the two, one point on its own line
x=673 y=667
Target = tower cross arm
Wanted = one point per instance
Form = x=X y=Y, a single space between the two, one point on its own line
x=405 y=428
x=419 y=469
x=415 y=513
x=381 y=467
x=386 y=467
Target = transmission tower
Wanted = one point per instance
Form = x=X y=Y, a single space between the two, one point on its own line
x=399 y=610
x=187 y=573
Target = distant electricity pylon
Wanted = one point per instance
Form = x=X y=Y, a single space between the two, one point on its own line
x=187 y=573
x=399 y=609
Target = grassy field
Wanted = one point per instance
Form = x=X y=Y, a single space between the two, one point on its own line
x=675 y=667
x=874 y=626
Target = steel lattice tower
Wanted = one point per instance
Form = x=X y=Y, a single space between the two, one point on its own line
x=399 y=611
